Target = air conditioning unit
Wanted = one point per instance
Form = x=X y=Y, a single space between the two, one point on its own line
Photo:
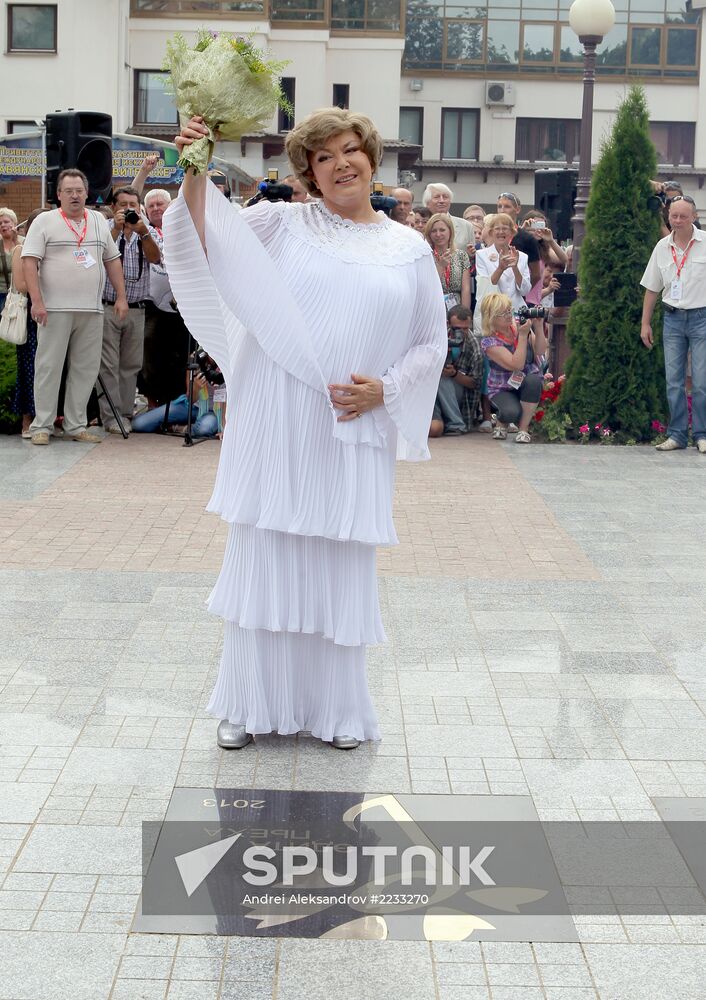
x=498 y=92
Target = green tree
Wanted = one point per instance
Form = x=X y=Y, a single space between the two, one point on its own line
x=611 y=378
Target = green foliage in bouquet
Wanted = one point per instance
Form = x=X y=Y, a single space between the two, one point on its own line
x=229 y=82
x=611 y=379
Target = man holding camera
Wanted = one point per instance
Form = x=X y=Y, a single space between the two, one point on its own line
x=123 y=338
x=458 y=395
x=676 y=269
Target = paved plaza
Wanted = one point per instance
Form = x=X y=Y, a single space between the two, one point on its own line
x=546 y=618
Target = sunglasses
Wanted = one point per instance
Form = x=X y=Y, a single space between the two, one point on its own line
x=508 y=194
x=682 y=197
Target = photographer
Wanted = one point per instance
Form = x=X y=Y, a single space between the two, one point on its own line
x=207 y=392
x=514 y=353
x=459 y=386
x=123 y=338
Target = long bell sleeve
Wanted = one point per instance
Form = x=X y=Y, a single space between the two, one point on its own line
x=411 y=384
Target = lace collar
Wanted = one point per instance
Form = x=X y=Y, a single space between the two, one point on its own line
x=384 y=242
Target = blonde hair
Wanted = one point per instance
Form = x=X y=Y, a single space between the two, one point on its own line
x=470 y=208
x=7 y=213
x=500 y=219
x=446 y=219
x=312 y=134
x=490 y=308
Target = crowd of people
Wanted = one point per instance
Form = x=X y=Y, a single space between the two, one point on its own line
x=106 y=344
x=492 y=379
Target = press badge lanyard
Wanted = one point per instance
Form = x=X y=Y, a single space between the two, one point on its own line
x=675 y=292
x=79 y=236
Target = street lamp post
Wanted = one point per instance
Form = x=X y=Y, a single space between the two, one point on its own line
x=591 y=20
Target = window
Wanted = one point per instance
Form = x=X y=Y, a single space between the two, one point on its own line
x=153 y=105
x=681 y=47
x=553 y=139
x=298 y=10
x=650 y=39
x=464 y=41
x=412 y=125
x=504 y=43
x=285 y=118
x=674 y=142
x=341 y=95
x=366 y=15
x=645 y=46
x=538 y=43
x=31 y=27
x=18 y=127
x=459 y=134
x=192 y=8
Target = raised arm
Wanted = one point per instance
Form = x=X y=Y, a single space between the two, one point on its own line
x=194 y=185
x=148 y=165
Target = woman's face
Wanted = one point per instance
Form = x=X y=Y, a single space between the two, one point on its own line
x=501 y=234
x=503 y=322
x=439 y=236
x=342 y=170
x=7 y=228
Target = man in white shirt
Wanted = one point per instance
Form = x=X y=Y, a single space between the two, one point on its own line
x=66 y=257
x=677 y=269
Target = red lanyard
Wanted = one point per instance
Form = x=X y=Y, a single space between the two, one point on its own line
x=447 y=271
x=680 y=267
x=79 y=236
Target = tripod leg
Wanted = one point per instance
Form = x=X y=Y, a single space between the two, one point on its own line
x=164 y=426
x=111 y=404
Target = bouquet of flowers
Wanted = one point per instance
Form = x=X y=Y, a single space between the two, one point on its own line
x=227 y=81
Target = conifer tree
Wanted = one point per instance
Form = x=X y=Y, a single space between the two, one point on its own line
x=611 y=378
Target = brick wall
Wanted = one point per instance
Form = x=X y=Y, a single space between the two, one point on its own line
x=22 y=195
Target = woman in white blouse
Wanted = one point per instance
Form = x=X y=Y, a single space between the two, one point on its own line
x=328 y=322
x=500 y=267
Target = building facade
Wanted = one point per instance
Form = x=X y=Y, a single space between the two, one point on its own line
x=477 y=95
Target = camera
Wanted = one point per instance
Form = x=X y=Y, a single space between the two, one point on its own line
x=131 y=217
x=455 y=343
x=208 y=367
x=530 y=312
x=271 y=190
x=380 y=201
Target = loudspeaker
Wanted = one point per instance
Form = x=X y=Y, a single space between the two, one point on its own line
x=555 y=194
x=81 y=139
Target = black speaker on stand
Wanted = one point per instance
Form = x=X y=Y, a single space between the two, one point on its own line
x=83 y=140
x=555 y=194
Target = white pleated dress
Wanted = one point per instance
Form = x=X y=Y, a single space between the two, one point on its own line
x=290 y=299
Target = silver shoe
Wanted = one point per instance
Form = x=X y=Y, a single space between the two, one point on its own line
x=345 y=742
x=232 y=737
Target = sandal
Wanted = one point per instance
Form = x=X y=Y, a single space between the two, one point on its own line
x=522 y=437
x=499 y=433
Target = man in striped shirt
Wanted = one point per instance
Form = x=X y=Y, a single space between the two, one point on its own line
x=123 y=338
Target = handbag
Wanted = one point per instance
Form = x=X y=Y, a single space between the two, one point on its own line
x=13 y=322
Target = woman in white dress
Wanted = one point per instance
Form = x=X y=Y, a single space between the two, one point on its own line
x=500 y=267
x=328 y=322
